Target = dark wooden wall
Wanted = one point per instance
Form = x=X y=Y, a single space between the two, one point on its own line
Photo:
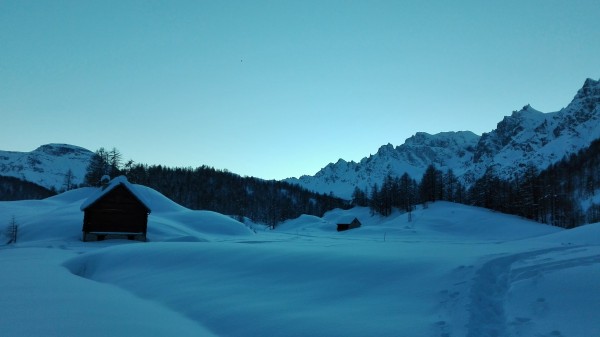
x=117 y=211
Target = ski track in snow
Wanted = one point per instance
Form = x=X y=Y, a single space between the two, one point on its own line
x=492 y=282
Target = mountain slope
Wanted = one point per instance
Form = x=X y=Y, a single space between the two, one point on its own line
x=525 y=137
x=453 y=150
x=46 y=165
x=532 y=137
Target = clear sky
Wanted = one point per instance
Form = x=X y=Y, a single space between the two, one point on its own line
x=276 y=89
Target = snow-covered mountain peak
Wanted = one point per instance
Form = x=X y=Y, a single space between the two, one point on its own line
x=447 y=149
x=442 y=139
x=587 y=98
x=59 y=150
x=528 y=109
x=527 y=116
x=529 y=136
x=386 y=150
x=584 y=108
x=590 y=87
x=525 y=137
x=46 y=165
x=506 y=131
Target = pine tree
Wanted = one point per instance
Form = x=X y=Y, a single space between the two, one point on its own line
x=359 y=197
x=387 y=196
x=486 y=191
x=12 y=230
x=430 y=185
x=114 y=159
x=530 y=193
x=69 y=181
x=375 y=200
x=451 y=186
x=408 y=197
x=98 y=167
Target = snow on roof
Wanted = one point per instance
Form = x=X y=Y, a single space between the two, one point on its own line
x=120 y=180
x=346 y=219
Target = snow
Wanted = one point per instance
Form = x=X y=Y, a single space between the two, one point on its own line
x=525 y=137
x=42 y=298
x=446 y=149
x=550 y=289
x=47 y=165
x=453 y=270
x=112 y=184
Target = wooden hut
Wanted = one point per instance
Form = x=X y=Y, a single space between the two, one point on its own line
x=348 y=223
x=116 y=209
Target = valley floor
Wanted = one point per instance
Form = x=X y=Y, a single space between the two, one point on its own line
x=451 y=271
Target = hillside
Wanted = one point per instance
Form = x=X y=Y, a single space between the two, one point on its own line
x=454 y=270
x=47 y=165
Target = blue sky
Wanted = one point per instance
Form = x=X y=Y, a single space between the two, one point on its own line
x=276 y=89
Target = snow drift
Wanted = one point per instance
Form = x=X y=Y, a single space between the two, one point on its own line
x=453 y=270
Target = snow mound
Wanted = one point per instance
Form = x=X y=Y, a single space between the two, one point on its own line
x=159 y=202
x=42 y=298
x=440 y=220
x=274 y=289
x=584 y=235
x=306 y=223
x=60 y=218
x=475 y=222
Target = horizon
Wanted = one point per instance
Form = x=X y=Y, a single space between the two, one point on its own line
x=280 y=89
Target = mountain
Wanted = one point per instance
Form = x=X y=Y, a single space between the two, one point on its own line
x=264 y=201
x=526 y=137
x=453 y=150
x=532 y=137
x=47 y=165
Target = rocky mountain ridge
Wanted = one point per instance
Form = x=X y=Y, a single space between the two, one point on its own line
x=447 y=150
x=526 y=137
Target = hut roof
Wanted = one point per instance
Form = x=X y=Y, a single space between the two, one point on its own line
x=347 y=219
x=120 y=180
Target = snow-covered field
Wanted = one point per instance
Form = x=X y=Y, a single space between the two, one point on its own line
x=453 y=270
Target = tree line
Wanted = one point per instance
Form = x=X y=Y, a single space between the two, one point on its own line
x=405 y=193
x=561 y=195
x=555 y=195
x=264 y=201
x=12 y=188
